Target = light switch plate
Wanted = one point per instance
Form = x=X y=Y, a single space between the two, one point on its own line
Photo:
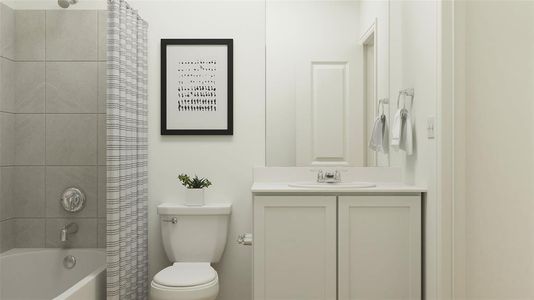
x=430 y=127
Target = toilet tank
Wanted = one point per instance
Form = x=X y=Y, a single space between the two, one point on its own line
x=194 y=233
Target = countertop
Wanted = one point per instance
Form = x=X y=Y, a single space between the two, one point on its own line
x=283 y=187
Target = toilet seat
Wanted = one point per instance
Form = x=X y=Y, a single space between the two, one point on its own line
x=185 y=281
x=186 y=274
x=204 y=292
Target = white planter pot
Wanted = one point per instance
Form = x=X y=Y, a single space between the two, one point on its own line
x=194 y=197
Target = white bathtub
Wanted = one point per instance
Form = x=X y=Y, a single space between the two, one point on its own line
x=39 y=274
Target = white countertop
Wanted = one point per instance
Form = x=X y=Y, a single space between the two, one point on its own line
x=283 y=187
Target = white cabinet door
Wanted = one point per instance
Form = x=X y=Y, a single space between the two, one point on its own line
x=379 y=247
x=294 y=247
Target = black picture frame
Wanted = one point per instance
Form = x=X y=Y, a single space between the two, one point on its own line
x=230 y=73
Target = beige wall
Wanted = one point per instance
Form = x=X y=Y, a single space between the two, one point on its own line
x=499 y=70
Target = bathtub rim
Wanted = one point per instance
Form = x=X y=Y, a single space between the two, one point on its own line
x=74 y=288
x=21 y=251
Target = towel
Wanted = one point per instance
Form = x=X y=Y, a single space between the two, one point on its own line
x=407 y=134
x=379 y=141
x=402 y=132
x=396 y=130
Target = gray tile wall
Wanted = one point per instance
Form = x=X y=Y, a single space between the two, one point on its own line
x=52 y=125
x=8 y=224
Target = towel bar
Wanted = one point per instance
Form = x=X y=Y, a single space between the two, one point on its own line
x=381 y=103
x=406 y=92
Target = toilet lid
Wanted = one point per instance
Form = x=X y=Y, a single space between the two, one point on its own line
x=186 y=274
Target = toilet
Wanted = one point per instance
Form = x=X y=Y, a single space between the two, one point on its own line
x=193 y=238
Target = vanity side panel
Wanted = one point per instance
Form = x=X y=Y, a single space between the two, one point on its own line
x=379 y=247
x=294 y=247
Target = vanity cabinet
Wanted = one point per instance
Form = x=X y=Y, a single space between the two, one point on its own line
x=295 y=247
x=332 y=247
x=379 y=247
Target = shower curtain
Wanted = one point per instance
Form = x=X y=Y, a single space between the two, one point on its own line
x=126 y=120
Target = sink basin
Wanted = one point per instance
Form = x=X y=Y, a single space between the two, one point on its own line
x=340 y=185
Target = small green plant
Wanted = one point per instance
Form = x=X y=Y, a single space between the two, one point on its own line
x=194 y=183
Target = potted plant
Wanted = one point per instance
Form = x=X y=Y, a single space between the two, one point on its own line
x=195 y=189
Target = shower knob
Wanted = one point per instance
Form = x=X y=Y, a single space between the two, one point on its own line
x=72 y=200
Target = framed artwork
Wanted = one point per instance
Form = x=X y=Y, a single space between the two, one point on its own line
x=196 y=86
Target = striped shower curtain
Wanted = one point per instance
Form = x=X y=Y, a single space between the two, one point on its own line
x=127 y=232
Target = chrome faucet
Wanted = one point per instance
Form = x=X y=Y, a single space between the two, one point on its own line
x=66 y=230
x=320 y=176
x=329 y=176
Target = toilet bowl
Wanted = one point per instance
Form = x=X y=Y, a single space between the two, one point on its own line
x=193 y=238
x=185 y=281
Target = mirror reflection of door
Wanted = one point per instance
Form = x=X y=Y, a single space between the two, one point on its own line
x=374 y=105
x=330 y=116
x=323 y=82
x=370 y=93
x=314 y=104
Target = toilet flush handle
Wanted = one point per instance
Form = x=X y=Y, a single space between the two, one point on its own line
x=245 y=239
x=172 y=220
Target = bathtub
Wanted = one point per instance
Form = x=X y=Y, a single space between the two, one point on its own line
x=40 y=274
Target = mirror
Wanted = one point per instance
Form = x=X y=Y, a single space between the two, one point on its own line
x=327 y=68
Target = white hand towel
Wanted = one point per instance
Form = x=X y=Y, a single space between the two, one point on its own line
x=402 y=132
x=407 y=133
x=379 y=141
x=385 y=135
x=396 y=130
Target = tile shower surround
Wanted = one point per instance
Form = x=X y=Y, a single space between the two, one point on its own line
x=52 y=125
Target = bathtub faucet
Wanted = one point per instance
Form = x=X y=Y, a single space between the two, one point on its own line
x=67 y=229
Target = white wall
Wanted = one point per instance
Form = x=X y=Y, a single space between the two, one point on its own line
x=499 y=56
x=226 y=160
x=413 y=33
